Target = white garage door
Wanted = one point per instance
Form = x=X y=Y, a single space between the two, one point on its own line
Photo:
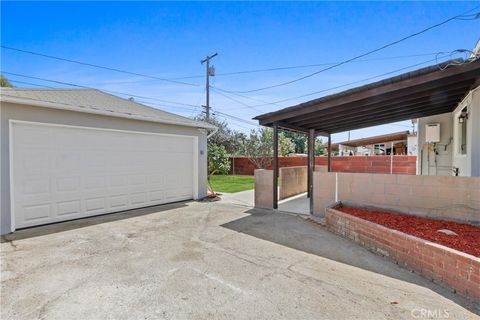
x=64 y=172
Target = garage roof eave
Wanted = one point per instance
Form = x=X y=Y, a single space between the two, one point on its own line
x=432 y=90
x=86 y=109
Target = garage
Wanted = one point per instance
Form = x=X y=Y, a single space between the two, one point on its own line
x=62 y=170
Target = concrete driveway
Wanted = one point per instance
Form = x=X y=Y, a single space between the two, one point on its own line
x=207 y=261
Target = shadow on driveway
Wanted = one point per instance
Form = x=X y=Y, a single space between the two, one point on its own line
x=295 y=232
x=56 y=227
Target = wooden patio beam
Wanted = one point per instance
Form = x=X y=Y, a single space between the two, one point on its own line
x=387 y=108
x=395 y=119
x=433 y=80
x=453 y=89
x=360 y=116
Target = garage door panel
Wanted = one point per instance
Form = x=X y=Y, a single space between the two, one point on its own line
x=156 y=195
x=73 y=207
x=91 y=182
x=95 y=204
x=36 y=212
x=36 y=186
x=73 y=172
x=68 y=162
x=65 y=184
x=138 y=198
x=34 y=136
x=119 y=201
x=35 y=161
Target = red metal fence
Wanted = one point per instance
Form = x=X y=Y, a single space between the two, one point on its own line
x=370 y=164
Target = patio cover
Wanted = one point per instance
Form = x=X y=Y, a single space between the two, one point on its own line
x=421 y=93
x=429 y=91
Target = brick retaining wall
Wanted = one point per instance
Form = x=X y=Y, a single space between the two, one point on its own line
x=451 y=268
x=371 y=164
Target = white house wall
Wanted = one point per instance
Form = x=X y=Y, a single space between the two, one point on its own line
x=443 y=165
x=468 y=164
x=448 y=157
x=10 y=111
x=475 y=138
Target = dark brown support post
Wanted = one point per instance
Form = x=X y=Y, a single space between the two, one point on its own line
x=275 y=166
x=329 y=152
x=311 y=165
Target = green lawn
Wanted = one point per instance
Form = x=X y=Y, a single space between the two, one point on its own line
x=231 y=184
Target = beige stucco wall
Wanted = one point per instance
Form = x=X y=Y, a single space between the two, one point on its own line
x=450 y=198
x=292 y=181
x=323 y=191
x=263 y=189
x=47 y=115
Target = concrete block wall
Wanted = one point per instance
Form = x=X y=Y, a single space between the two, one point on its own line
x=451 y=268
x=263 y=196
x=292 y=181
x=449 y=198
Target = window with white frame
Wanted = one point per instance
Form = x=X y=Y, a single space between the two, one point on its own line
x=379 y=149
x=462 y=131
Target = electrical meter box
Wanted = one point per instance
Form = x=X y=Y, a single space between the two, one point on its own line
x=432 y=132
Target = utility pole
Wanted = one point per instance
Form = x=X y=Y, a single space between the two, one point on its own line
x=210 y=72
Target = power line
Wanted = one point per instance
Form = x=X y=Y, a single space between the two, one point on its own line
x=86 y=87
x=235 y=100
x=193 y=107
x=30 y=84
x=283 y=68
x=319 y=64
x=361 y=55
x=231 y=123
x=236 y=118
x=98 y=66
x=246 y=97
x=348 y=84
x=176 y=79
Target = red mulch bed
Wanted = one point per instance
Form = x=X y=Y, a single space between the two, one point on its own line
x=468 y=239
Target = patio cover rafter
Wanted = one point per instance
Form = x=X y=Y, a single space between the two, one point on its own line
x=424 y=92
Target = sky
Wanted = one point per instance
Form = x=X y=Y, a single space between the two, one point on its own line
x=169 y=39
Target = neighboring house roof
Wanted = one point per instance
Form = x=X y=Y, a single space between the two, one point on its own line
x=396 y=136
x=96 y=102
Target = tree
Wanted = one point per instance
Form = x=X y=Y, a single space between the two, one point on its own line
x=4 y=82
x=299 y=140
x=224 y=136
x=320 y=149
x=285 y=145
x=218 y=161
x=258 y=147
